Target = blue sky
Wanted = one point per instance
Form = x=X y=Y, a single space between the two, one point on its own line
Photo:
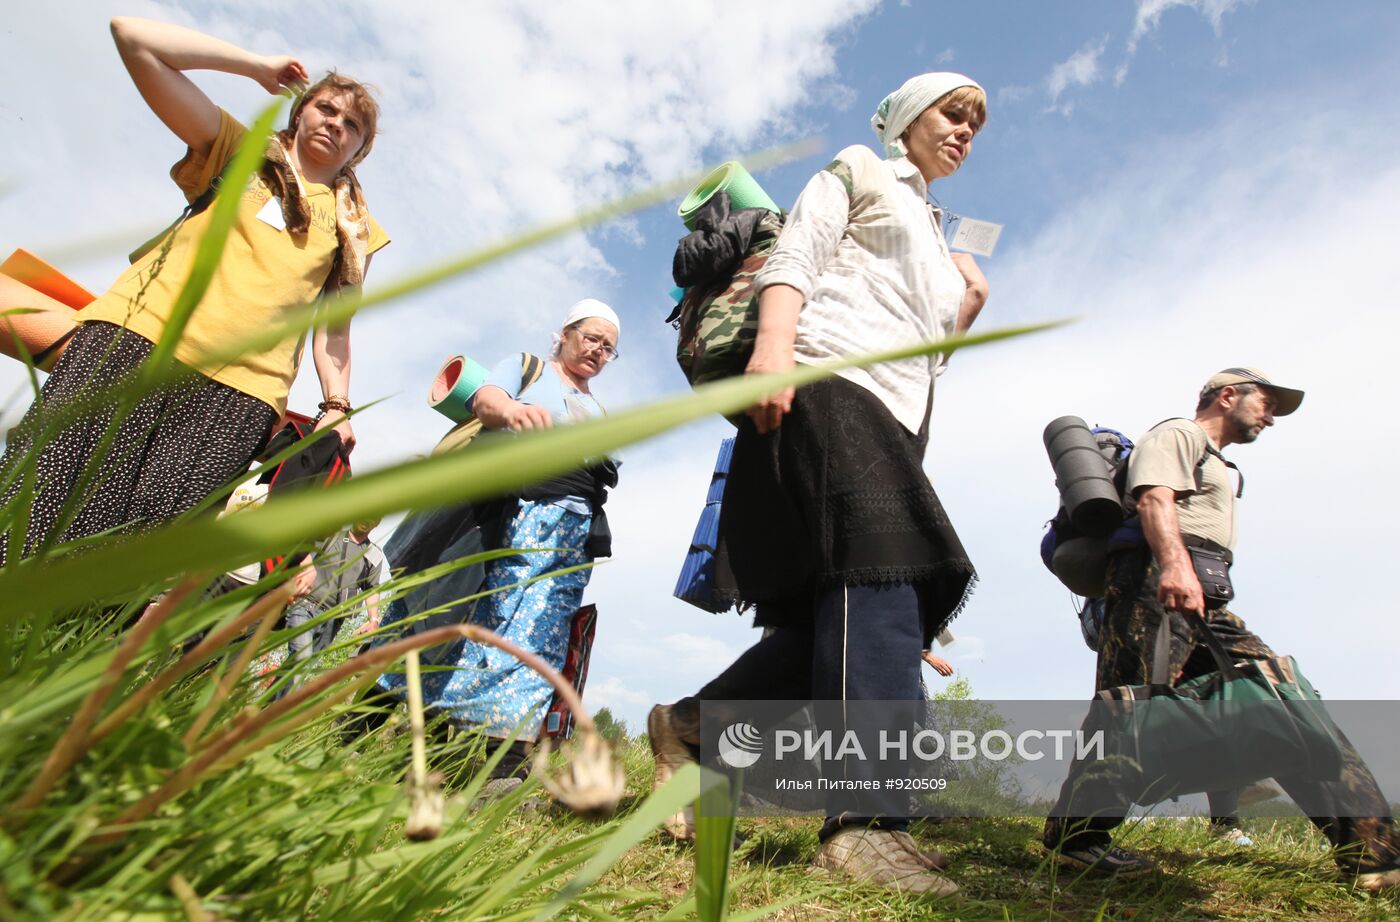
x=1202 y=184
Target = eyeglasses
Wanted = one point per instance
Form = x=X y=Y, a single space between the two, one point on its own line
x=591 y=342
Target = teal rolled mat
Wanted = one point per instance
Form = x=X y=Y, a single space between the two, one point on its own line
x=454 y=385
x=744 y=192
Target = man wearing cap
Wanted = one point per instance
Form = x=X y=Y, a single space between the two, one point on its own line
x=1185 y=496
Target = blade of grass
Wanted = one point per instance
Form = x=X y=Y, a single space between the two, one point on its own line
x=716 y=818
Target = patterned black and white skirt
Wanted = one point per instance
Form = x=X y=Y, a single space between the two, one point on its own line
x=837 y=495
x=168 y=452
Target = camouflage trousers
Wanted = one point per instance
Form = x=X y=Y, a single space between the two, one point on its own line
x=1352 y=812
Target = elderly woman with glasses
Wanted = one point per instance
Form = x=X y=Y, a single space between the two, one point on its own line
x=560 y=522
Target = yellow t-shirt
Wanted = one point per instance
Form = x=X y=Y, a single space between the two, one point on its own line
x=265 y=272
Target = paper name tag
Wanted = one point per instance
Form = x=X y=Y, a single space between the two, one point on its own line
x=271 y=214
x=976 y=237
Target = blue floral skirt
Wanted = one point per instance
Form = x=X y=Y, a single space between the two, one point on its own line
x=487 y=687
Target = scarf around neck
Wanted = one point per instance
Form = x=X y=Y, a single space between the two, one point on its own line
x=351 y=215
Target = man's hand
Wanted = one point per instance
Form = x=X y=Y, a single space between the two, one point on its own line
x=1179 y=589
x=369 y=627
x=304 y=579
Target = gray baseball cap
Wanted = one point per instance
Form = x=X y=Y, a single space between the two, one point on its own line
x=1286 y=399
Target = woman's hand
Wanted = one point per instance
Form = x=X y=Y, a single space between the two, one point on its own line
x=770 y=356
x=341 y=424
x=778 y=307
x=273 y=72
x=939 y=664
x=977 y=290
x=523 y=416
x=498 y=410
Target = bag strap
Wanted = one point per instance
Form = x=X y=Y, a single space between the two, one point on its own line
x=1222 y=658
x=200 y=204
x=1230 y=464
x=1161 y=653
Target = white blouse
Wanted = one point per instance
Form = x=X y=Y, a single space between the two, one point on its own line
x=866 y=250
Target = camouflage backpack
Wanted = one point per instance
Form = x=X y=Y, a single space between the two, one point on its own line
x=718 y=324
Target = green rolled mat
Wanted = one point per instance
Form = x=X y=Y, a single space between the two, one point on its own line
x=744 y=191
x=454 y=385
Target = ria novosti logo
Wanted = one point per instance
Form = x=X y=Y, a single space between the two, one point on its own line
x=740 y=745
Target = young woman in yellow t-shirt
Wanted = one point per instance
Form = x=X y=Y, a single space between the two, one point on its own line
x=302 y=228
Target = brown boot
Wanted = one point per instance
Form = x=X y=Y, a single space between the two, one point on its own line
x=1377 y=881
x=890 y=859
x=670 y=754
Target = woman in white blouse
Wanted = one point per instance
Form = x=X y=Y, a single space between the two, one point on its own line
x=829 y=524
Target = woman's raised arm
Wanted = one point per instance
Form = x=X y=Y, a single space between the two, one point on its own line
x=157 y=53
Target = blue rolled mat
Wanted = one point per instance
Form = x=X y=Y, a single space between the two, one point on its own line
x=696 y=583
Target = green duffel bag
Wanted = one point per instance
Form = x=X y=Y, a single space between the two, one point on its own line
x=1246 y=722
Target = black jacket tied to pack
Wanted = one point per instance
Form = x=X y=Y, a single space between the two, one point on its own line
x=592 y=483
x=719 y=242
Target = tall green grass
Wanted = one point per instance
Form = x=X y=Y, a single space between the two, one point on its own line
x=149 y=774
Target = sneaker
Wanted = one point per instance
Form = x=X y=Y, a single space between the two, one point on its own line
x=1232 y=835
x=1105 y=859
x=879 y=856
x=670 y=753
x=1376 y=881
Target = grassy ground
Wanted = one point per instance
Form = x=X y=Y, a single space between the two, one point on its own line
x=1287 y=875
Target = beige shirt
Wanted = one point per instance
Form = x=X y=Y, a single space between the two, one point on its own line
x=865 y=249
x=1171 y=456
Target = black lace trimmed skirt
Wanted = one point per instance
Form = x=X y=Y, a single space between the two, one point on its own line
x=172 y=450
x=838 y=495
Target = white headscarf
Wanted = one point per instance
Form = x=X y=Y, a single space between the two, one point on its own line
x=905 y=104
x=583 y=310
x=591 y=307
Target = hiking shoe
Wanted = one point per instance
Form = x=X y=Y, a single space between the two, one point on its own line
x=879 y=856
x=670 y=753
x=1232 y=835
x=1105 y=859
x=1376 y=881
x=1259 y=792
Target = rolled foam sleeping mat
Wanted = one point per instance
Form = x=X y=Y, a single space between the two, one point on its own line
x=677 y=294
x=47 y=325
x=744 y=192
x=453 y=386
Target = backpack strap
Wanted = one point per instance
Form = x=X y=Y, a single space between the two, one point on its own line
x=1210 y=450
x=531 y=367
x=200 y=204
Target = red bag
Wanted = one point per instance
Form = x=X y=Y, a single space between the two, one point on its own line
x=559 y=720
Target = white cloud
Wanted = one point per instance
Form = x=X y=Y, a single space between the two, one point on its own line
x=1149 y=15
x=945 y=56
x=1079 y=69
x=496 y=118
x=612 y=693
